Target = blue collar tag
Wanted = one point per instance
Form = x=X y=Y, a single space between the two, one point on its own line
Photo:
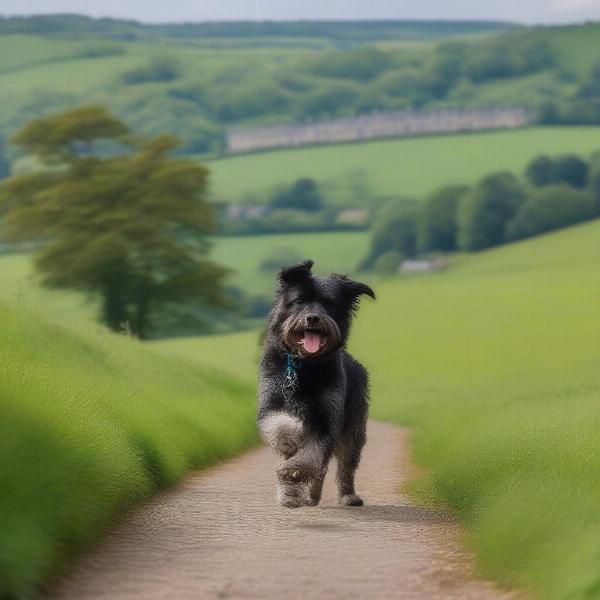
x=290 y=383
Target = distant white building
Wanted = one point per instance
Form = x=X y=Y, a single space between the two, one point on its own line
x=423 y=266
x=376 y=125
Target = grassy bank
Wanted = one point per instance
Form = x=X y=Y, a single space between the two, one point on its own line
x=494 y=363
x=92 y=424
x=404 y=167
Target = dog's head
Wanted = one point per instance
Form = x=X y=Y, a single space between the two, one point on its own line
x=311 y=316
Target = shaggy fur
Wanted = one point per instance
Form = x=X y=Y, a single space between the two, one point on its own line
x=325 y=412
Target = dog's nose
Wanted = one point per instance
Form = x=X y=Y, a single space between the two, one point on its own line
x=312 y=320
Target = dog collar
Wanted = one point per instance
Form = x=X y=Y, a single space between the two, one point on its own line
x=290 y=382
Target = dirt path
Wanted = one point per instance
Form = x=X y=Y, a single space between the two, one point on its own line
x=220 y=535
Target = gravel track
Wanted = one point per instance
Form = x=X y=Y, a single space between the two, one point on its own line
x=220 y=534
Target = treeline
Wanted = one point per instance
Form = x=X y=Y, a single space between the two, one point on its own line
x=344 y=32
x=199 y=99
x=501 y=208
x=581 y=107
x=362 y=80
x=326 y=85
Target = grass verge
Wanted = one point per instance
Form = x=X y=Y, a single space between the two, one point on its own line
x=495 y=365
x=92 y=424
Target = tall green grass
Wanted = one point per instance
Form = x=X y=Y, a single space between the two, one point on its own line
x=494 y=363
x=92 y=423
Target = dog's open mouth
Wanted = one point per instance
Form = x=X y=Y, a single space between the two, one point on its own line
x=311 y=340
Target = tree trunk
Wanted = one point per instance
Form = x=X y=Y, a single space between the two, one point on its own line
x=141 y=321
x=114 y=308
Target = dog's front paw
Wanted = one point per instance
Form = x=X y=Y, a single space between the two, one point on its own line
x=293 y=495
x=351 y=500
x=296 y=471
x=305 y=466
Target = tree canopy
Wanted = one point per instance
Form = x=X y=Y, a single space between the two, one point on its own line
x=568 y=169
x=128 y=226
x=549 y=208
x=486 y=210
x=438 y=227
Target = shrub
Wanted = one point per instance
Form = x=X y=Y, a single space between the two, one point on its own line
x=569 y=169
x=395 y=228
x=486 y=210
x=572 y=170
x=438 y=226
x=446 y=69
x=334 y=99
x=388 y=263
x=540 y=171
x=165 y=68
x=550 y=208
x=304 y=194
x=594 y=181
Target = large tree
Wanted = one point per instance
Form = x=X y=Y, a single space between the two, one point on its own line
x=119 y=217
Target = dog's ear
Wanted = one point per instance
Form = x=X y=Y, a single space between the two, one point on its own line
x=296 y=274
x=353 y=289
x=358 y=289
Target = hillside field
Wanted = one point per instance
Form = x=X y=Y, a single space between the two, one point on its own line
x=92 y=424
x=495 y=365
x=400 y=168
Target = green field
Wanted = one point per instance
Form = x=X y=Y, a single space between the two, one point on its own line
x=338 y=251
x=494 y=363
x=91 y=425
x=400 y=168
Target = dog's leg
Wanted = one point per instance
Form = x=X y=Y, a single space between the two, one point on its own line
x=348 y=456
x=316 y=487
x=292 y=494
x=282 y=432
x=301 y=476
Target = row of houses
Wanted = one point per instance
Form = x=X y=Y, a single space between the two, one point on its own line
x=402 y=123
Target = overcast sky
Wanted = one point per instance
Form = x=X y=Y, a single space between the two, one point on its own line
x=527 y=11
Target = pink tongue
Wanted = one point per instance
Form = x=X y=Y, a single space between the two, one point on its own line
x=312 y=341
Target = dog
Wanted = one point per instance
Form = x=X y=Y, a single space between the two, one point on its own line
x=312 y=395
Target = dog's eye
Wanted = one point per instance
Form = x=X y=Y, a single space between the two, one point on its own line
x=328 y=303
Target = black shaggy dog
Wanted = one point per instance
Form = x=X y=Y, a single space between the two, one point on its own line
x=312 y=394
